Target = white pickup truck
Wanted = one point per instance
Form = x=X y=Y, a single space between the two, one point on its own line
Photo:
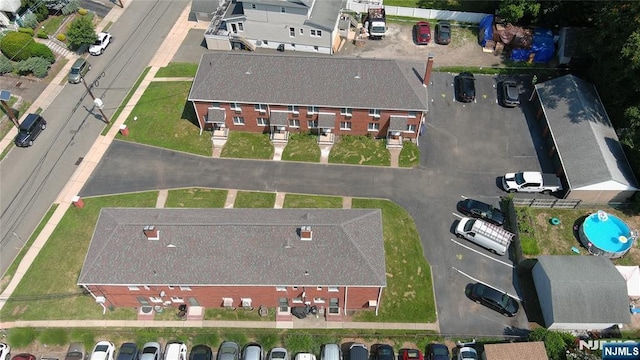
x=531 y=181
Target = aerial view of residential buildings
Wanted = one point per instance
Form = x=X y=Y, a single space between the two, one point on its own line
x=332 y=179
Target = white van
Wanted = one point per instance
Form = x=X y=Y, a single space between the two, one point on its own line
x=488 y=236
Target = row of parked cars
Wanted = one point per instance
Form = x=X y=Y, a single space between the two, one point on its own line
x=508 y=91
x=229 y=350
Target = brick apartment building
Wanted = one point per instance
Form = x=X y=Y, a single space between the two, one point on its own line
x=328 y=96
x=237 y=258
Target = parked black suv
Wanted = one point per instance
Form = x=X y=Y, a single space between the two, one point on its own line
x=509 y=93
x=481 y=210
x=466 y=87
x=29 y=130
x=493 y=299
x=443 y=33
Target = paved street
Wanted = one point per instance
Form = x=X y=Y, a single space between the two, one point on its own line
x=31 y=178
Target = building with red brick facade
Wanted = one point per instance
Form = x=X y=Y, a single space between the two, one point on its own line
x=237 y=258
x=328 y=96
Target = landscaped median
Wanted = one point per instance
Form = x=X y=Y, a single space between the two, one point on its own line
x=48 y=290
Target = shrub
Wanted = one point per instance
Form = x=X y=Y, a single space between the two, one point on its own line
x=30 y=20
x=42 y=34
x=5 y=65
x=54 y=337
x=26 y=30
x=83 y=11
x=41 y=50
x=15 y=46
x=21 y=337
x=61 y=37
x=37 y=66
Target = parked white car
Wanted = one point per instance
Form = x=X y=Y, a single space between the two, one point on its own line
x=104 y=350
x=175 y=350
x=5 y=351
x=104 y=38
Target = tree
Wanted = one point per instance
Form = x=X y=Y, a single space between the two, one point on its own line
x=555 y=342
x=81 y=32
x=514 y=10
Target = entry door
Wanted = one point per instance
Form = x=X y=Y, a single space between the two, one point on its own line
x=234 y=28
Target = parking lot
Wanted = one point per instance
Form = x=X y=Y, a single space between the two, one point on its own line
x=467 y=146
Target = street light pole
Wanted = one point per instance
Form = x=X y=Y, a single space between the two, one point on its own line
x=104 y=117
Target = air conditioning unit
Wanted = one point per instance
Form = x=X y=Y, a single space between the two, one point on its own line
x=162 y=293
x=101 y=299
x=377 y=116
x=246 y=302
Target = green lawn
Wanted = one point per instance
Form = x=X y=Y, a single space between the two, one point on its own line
x=246 y=145
x=48 y=289
x=312 y=201
x=456 y=5
x=178 y=70
x=51 y=25
x=302 y=147
x=125 y=101
x=409 y=294
x=360 y=150
x=14 y=265
x=410 y=155
x=196 y=198
x=253 y=200
x=165 y=119
x=540 y=237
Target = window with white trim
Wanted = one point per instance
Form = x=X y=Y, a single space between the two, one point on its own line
x=315 y=48
x=283 y=304
x=312 y=110
x=373 y=127
x=346 y=111
x=177 y=299
x=238 y=120
x=133 y=288
x=185 y=288
x=294 y=123
x=240 y=27
x=293 y=108
x=316 y=33
x=281 y=288
x=253 y=6
x=312 y=124
x=294 y=287
x=296 y=300
x=170 y=287
x=260 y=107
x=333 y=289
x=412 y=114
x=146 y=287
x=216 y=105
x=155 y=299
x=319 y=300
x=262 y=121
x=319 y=288
x=283 y=9
x=345 y=125
x=235 y=107
x=375 y=113
x=301 y=31
x=411 y=128
x=292 y=32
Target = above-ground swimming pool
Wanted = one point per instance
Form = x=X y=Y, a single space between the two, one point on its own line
x=606 y=235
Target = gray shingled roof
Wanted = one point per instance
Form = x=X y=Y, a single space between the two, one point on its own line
x=279 y=118
x=215 y=115
x=397 y=123
x=326 y=120
x=236 y=247
x=310 y=81
x=585 y=289
x=586 y=142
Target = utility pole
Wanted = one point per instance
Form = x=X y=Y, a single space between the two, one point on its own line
x=96 y=101
x=5 y=96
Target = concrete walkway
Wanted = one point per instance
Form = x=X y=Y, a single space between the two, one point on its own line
x=161 y=59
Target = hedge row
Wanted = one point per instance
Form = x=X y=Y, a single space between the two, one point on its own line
x=19 y=46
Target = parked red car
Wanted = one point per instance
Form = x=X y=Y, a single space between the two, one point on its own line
x=411 y=354
x=423 y=33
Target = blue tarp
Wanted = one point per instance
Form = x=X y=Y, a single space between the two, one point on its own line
x=543 y=47
x=485 y=30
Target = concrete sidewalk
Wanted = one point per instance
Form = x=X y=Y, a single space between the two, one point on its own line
x=297 y=324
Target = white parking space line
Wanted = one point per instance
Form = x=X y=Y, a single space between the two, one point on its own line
x=485 y=284
x=464 y=197
x=485 y=255
x=458 y=215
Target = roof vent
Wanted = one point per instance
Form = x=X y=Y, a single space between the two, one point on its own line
x=151 y=232
x=305 y=233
